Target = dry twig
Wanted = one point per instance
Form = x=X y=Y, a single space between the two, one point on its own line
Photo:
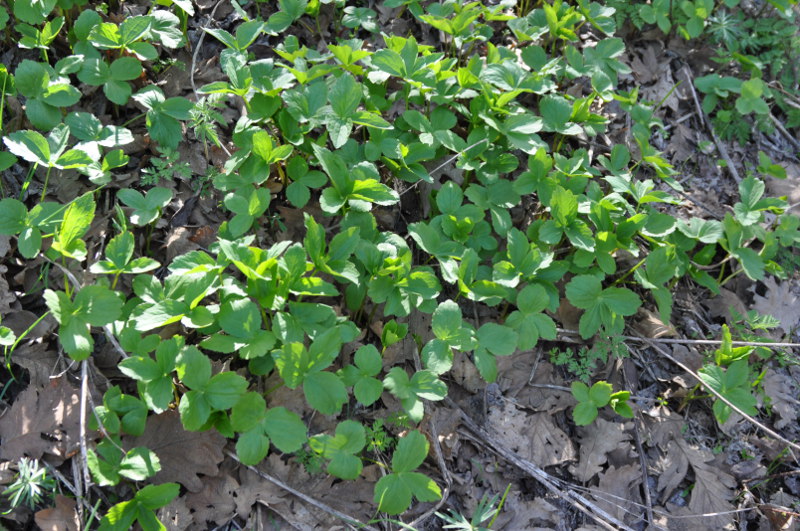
x=590 y=509
x=308 y=499
x=642 y=458
x=719 y=396
x=681 y=341
x=706 y=122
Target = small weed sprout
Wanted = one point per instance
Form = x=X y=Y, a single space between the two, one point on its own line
x=166 y=167
x=31 y=486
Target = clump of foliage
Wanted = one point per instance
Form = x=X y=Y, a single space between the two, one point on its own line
x=320 y=123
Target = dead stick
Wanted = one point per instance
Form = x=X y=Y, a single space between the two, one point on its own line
x=582 y=504
x=720 y=146
x=785 y=133
x=694 y=341
x=84 y=454
x=642 y=459
x=721 y=397
x=318 y=504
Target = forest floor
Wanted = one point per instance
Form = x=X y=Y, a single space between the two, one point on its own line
x=672 y=465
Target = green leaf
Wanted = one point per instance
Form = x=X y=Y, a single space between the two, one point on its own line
x=77 y=219
x=733 y=384
x=194 y=410
x=350 y=439
x=584 y=413
x=97 y=305
x=145 y=208
x=498 y=339
x=345 y=96
x=139 y=464
x=29 y=145
x=120 y=250
x=248 y=412
x=707 y=231
x=600 y=393
x=286 y=429
x=157 y=496
x=410 y=453
x=604 y=307
x=325 y=392
x=13 y=216
x=580 y=391
x=394 y=492
x=194 y=367
x=224 y=390
x=30 y=242
x=252 y=446
x=447 y=321
x=240 y=317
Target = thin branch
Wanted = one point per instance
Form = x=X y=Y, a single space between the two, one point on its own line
x=84 y=394
x=792 y=140
x=642 y=457
x=719 y=396
x=308 y=499
x=720 y=146
x=582 y=504
x=693 y=341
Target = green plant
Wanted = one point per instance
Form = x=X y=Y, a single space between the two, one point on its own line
x=164 y=115
x=484 y=513
x=590 y=399
x=167 y=167
x=146 y=208
x=140 y=509
x=734 y=384
x=205 y=118
x=50 y=152
x=394 y=491
x=31 y=486
x=496 y=129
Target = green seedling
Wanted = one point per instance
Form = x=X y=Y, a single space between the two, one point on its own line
x=591 y=399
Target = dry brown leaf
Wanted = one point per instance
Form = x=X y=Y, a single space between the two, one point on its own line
x=789 y=187
x=712 y=492
x=682 y=142
x=543 y=398
x=176 y=516
x=692 y=359
x=649 y=324
x=216 y=502
x=670 y=468
x=713 y=487
x=533 y=437
x=646 y=67
x=466 y=374
x=5 y=245
x=782 y=391
x=184 y=455
x=39 y=362
x=620 y=491
x=179 y=242
x=779 y=302
x=255 y=489
x=62 y=517
x=21 y=320
x=7 y=297
x=520 y=513
x=42 y=421
x=720 y=305
x=597 y=440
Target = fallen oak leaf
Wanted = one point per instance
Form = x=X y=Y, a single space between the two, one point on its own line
x=184 y=455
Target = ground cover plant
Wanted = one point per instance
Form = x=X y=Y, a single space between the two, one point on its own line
x=320 y=263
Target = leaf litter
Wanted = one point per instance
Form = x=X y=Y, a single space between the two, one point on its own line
x=42 y=422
